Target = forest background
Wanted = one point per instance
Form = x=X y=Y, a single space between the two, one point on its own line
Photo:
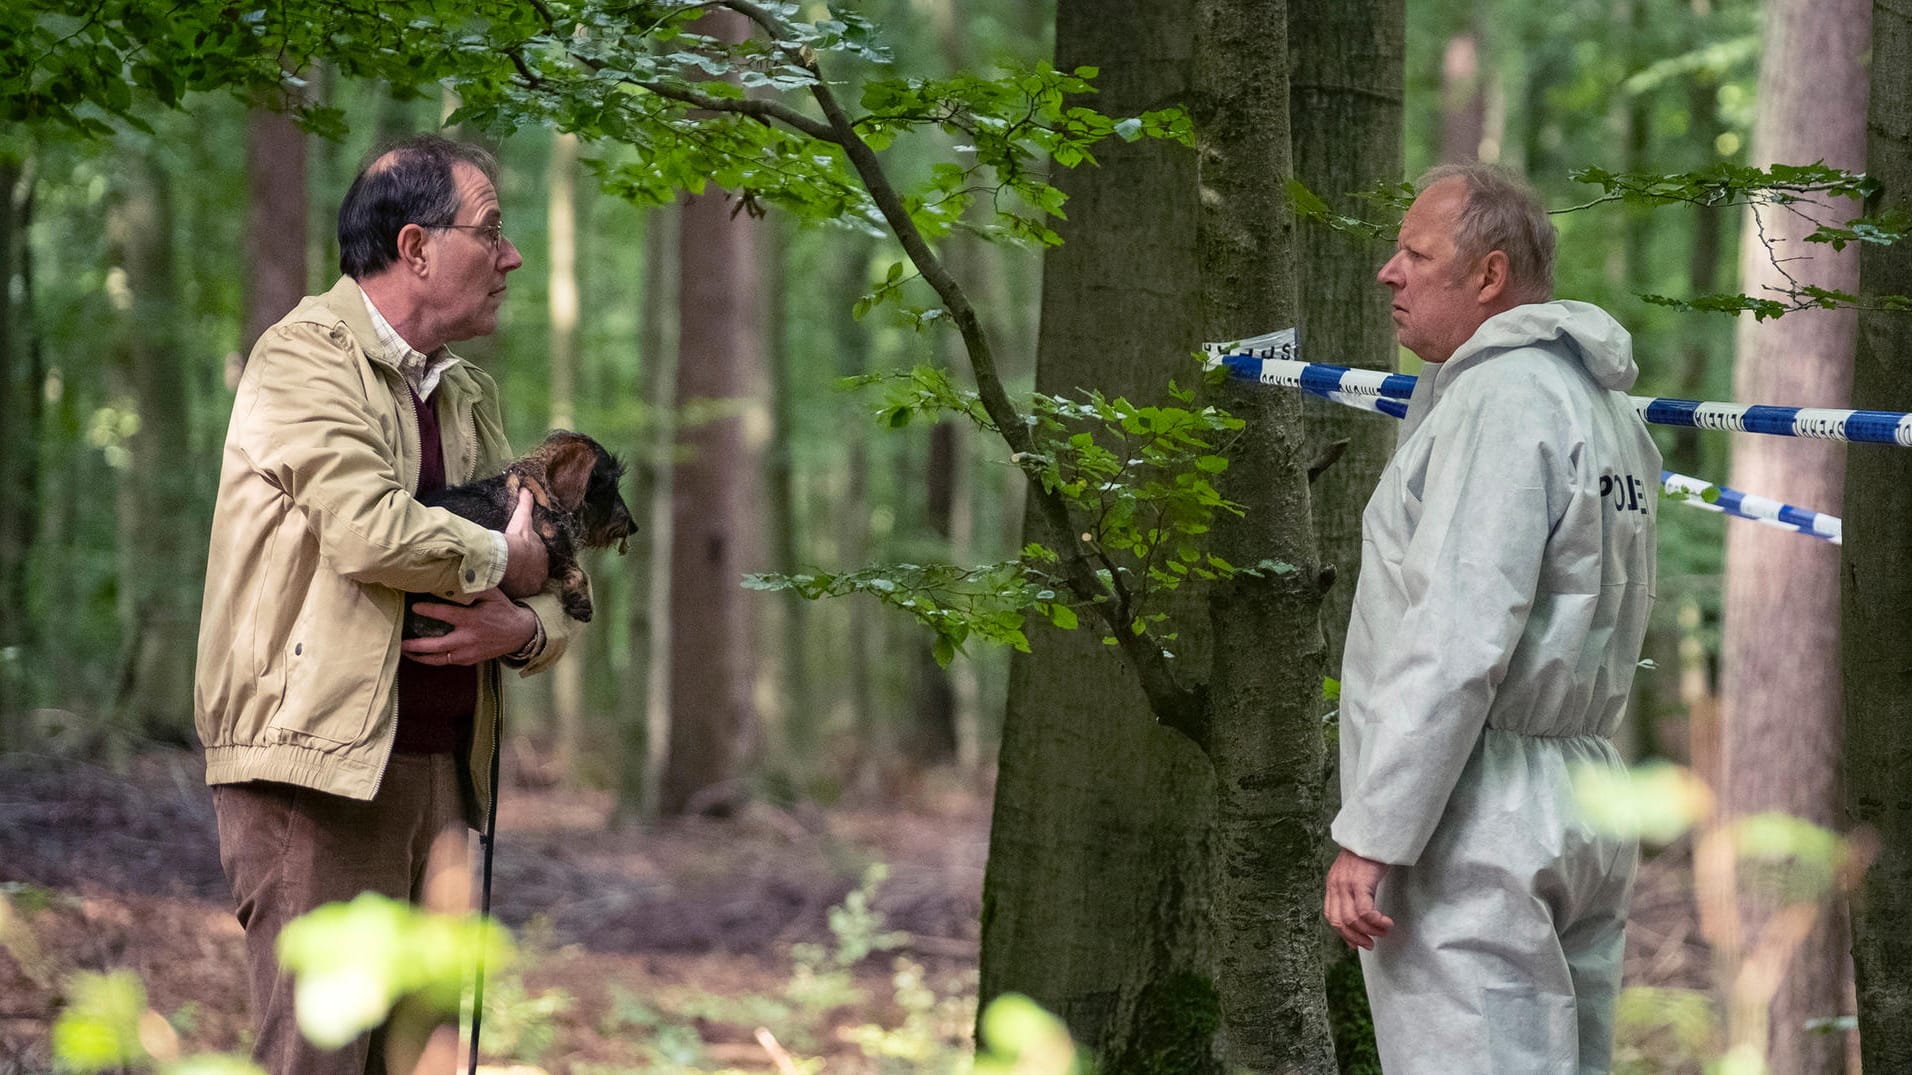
x=706 y=340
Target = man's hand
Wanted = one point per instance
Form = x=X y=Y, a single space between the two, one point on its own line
x=527 y=563
x=1350 y=903
x=493 y=625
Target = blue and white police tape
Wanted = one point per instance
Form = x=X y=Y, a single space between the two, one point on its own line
x=1677 y=487
x=1816 y=423
x=1692 y=492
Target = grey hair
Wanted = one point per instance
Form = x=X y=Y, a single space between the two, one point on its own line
x=1502 y=212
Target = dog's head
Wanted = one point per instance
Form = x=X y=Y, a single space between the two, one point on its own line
x=583 y=478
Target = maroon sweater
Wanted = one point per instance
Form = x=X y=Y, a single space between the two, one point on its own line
x=435 y=701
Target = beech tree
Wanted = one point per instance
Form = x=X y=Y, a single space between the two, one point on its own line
x=1779 y=690
x=1874 y=581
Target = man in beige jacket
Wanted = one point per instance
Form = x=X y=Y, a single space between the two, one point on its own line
x=338 y=751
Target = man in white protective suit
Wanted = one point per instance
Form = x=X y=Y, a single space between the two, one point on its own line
x=1507 y=570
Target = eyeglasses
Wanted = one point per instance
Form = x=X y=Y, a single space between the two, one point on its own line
x=492 y=233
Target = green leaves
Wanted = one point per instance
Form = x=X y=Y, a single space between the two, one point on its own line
x=1802 y=190
x=987 y=601
x=1140 y=479
x=99 y=1030
x=353 y=961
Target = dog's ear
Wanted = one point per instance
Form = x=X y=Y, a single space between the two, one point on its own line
x=568 y=472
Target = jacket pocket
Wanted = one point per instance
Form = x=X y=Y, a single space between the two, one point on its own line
x=334 y=661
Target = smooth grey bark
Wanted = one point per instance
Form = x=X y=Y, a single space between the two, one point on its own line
x=716 y=511
x=1876 y=579
x=1345 y=109
x=1096 y=901
x=717 y=508
x=1265 y=738
x=1780 y=689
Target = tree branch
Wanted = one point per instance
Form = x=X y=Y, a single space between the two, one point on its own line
x=1177 y=707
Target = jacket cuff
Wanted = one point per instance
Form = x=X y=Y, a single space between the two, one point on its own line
x=531 y=649
x=555 y=631
x=501 y=553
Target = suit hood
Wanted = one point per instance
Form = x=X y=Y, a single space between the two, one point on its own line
x=1588 y=333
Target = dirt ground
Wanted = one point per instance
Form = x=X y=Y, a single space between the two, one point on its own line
x=656 y=950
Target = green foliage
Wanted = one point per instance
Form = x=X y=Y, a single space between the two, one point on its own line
x=1018 y=1037
x=1802 y=190
x=1140 y=480
x=100 y=1027
x=1655 y=802
x=80 y=69
x=1387 y=201
x=986 y=601
x=520 y=1024
x=107 y=1026
x=1662 y=1029
x=354 y=961
x=697 y=110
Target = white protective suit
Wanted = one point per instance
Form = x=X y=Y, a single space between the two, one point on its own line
x=1507 y=570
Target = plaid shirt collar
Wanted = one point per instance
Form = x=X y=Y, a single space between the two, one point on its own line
x=421 y=371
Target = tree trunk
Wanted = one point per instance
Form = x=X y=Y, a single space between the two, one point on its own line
x=158 y=614
x=796 y=718
x=1463 y=98
x=1265 y=695
x=1096 y=899
x=1345 y=116
x=561 y=215
x=644 y=716
x=1876 y=582
x=1780 y=689
x=31 y=470
x=15 y=440
x=717 y=510
x=1346 y=113
x=275 y=222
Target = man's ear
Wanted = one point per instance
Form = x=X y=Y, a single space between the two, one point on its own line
x=1493 y=277
x=411 y=248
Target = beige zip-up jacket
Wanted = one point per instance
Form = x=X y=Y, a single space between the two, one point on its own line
x=316 y=539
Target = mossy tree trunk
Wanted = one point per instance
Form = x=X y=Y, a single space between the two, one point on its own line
x=1345 y=117
x=1264 y=738
x=1876 y=579
x=1344 y=107
x=1097 y=896
x=1109 y=828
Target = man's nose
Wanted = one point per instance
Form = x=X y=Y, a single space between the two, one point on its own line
x=1389 y=274
x=508 y=257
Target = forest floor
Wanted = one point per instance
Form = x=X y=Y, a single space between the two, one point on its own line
x=663 y=949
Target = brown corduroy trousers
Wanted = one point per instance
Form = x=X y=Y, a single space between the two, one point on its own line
x=287 y=850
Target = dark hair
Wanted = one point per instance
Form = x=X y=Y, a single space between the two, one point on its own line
x=404 y=182
x=1502 y=212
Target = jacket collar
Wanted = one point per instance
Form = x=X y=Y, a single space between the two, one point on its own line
x=346 y=302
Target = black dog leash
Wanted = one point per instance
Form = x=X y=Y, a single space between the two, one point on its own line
x=488 y=840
